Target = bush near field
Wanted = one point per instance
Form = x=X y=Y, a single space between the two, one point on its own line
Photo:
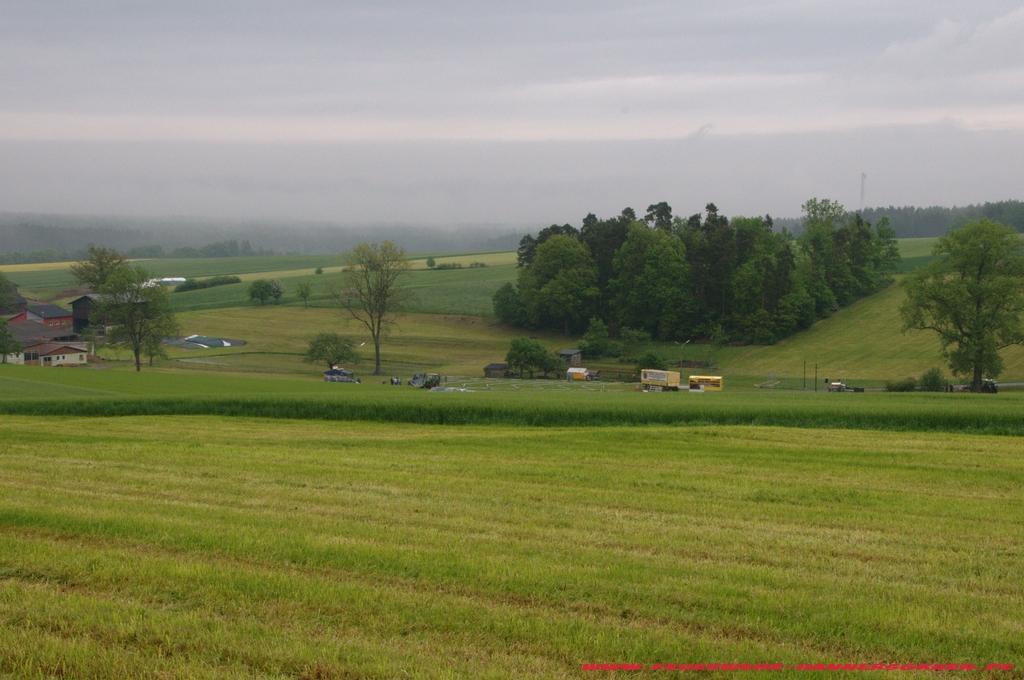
x=199 y=284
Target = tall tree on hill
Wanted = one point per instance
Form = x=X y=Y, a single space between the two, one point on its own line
x=528 y=245
x=139 y=313
x=650 y=290
x=559 y=289
x=8 y=343
x=96 y=270
x=372 y=290
x=8 y=293
x=825 y=270
x=659 y=216
x=604 y=238
x=305 y=291
x=972 y=296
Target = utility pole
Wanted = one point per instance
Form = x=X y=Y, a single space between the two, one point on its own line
x=863 y=187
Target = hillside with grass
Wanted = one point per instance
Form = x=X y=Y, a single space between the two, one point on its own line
x=863 y=341
x=446 y=324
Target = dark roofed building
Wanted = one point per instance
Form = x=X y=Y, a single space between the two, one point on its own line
x=496 y=371
x=571 y=357
x=49 y=315
x=82 y=308
x=30 y=332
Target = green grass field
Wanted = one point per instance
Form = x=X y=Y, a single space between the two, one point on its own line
x=861 y=342
x=239 y=548
x=227 y=514
x=456 y=291
x=30 y=390
x=53 y=280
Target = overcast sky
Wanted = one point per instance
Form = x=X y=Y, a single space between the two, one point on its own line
x=519 y=113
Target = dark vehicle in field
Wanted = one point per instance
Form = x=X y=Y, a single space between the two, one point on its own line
x=340 y=375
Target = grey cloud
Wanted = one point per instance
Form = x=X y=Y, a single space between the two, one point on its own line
x=411 y=108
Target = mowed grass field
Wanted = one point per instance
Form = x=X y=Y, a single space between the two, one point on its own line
x=243 y=548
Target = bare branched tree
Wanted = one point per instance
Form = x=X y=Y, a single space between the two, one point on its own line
x=371 y=288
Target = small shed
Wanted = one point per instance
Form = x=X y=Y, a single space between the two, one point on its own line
x=577 y=373
x=496 y=370
x=571 y=357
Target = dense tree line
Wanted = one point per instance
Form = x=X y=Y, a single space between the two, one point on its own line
x=705 y=276
x=229 y=248
x=914 y=222
x=36 y=237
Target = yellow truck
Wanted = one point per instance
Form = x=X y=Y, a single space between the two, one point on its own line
x=706 y=383
x=654 y=380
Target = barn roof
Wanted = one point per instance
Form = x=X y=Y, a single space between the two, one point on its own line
x=48 y=311
x=47 y=348
x=91 y=297
x=32 y=331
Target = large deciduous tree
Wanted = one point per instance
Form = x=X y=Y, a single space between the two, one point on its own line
x=525 y=356
x=650 y=289
x=139 y=312
x=8 y=293
x=331 y=349
x=97 y=269
x=8 y=343
x=972 y=296
x=559 y=287
x=372 y=290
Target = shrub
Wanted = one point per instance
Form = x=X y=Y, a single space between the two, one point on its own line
x=319 y=270
x=632 y=343
x=198 y=284
x=448 y=265
x=595 y=342
x=933 y=380
x=905 y=385
x=431 y=263
x=260 y=291
x=508 y=306
x=477 y=265
x=651 y=360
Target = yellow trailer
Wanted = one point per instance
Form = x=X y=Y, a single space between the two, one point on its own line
x=654 y=380
x=707 y=383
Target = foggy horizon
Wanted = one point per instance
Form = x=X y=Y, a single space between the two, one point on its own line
x=466 y=114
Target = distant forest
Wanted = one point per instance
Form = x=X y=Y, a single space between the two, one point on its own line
x=26 y=238
x=700 y=277
x=911 y=222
